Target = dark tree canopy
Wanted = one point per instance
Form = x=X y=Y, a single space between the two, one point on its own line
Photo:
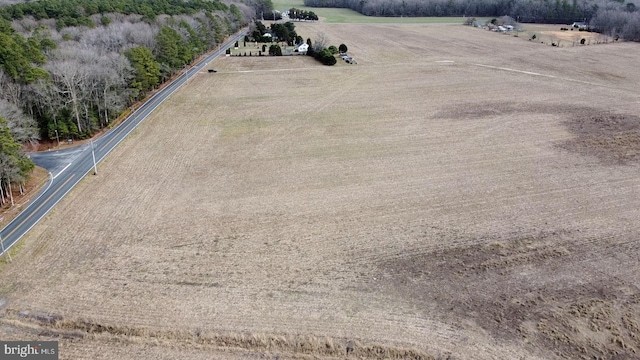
x=19 y=57
x=146 y=69
x=298 y=14
x=285 y=32
x=275 y=50
x=15 y=166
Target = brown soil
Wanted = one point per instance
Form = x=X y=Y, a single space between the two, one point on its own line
x=494 y=284
x=614 y=138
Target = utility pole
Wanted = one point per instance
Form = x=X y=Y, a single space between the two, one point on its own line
x=93 y=154
x=57 y=137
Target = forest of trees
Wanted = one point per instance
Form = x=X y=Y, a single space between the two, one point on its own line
x=285 y=32
x=15 y=167
x=613 y=17
x=70 y=67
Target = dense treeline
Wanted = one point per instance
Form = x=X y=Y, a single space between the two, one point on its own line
x=614 y=22
x=615 y=17
x=70 y=67
x=299 y=14
x=15 y=167
x=78 y=12
x=19 y=58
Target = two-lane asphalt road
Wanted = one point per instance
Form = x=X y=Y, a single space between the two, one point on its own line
x=65 y=176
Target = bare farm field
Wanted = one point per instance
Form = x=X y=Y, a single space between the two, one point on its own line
x=458 y=194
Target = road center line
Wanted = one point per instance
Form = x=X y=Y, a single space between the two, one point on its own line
x=61 y=171
x=38 y=208
x=113 y=137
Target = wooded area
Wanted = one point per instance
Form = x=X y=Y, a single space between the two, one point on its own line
x=70 y=67
x=612 y=17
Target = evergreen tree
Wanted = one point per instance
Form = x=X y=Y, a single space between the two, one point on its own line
x=146 y=68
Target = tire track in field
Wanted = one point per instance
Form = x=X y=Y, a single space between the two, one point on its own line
x=321 y=103
x=536 y=200
x=544 y=75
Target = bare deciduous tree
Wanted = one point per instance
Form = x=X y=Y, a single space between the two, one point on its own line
x=321 y=42
x=23 y=128
x=70 y=77
x=9 y=89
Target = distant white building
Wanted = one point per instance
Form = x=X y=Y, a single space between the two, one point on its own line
x=303 y=48
x=579 y=25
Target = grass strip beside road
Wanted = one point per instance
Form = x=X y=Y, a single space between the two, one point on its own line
x=38 y=179
x=41 y=205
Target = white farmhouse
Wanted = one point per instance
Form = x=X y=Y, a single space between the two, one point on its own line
x=302 y=48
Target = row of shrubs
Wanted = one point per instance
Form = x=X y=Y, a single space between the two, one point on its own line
x=327 y=55
x=274 y=50
x=259 y=53
x=579 y=29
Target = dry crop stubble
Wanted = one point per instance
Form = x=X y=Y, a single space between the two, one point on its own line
x=282 y=207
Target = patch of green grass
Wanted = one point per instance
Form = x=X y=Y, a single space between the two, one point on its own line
x=337 y=15
x=288 y=4
x=10 y=254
